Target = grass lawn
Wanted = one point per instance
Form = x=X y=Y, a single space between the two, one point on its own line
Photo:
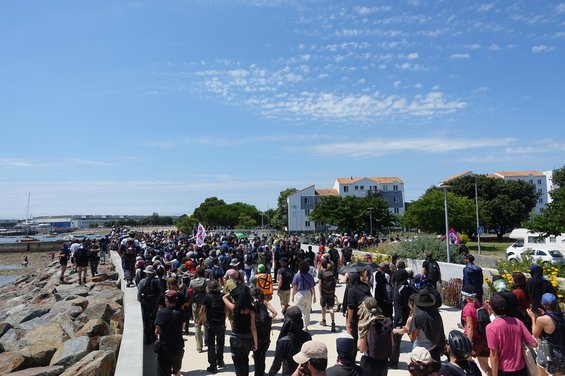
x=490 y=246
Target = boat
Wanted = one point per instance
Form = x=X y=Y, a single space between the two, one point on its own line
x=27 y=238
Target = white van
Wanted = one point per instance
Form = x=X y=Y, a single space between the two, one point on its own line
x=532 y=240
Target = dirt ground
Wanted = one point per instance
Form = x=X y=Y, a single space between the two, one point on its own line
x=36 y=260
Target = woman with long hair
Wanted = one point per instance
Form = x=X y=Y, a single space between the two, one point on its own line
x=243 y=339
x=524 y=301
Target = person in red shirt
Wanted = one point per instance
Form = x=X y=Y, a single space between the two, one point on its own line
x=524 y=301
x=470 y=323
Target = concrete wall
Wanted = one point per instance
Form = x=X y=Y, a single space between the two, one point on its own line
x=130 y=358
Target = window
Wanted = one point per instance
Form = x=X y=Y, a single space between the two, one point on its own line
x=396 y=200
x=539 y=181
x=396 y=210
x=540 y=200
x=307 y=211
x=395 y=187
x=362 y=187
x=385 y=188
x=307 y=224
x=552 y=239
x=531 y=181
x=356 y=187
x=307 y=200
x=346 y=189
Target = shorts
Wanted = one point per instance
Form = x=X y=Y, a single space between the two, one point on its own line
x=327 y=301
x=480 y=347
x=284 y=295
x=557 y=362
x=170 y=361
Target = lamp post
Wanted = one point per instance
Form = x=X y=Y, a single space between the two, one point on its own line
x=445 y=188
x=477 y=212
x=370 y=220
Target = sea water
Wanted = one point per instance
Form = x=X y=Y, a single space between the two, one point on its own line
x=6 y=279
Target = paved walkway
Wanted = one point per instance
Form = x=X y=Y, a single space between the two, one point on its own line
x=195 y=363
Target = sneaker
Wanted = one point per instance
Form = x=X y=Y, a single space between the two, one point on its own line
x=339 y=307
x=212 y=369
x=221 y=364
x=333 y=327
x=84 y=280
x=323 y=323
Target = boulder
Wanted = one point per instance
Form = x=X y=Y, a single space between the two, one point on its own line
x=100 y=309
x=71 y=351
x=49 y=334
x=97 y=363
x=110 y=343
x=31 y=324
x=9 y=341
x=94 y=328
x=4 y=327
x=34 y=312
x=37 y=355
x=10 y=361
x=68 y=325
x=39 y=371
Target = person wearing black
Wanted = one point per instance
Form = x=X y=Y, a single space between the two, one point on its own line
x=213 y=308
x=168 y=329
x=537 y=286
x=346 y=353
x=291 y=338
x=459 y=352
x=430 y=268
x=427 y=324
x=263 y=324
x=148 y=293
x=243 y=339
x=473 y=275
x=284 y=282
x=357 y=291
x=401 y=297
x=381 y=288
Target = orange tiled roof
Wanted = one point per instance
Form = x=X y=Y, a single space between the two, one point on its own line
x=457 y=176
x=519 y=173
x=326 y=192
x=377 y=179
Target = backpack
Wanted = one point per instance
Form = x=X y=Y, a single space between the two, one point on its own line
x=265 y=283
x=248 y=259
x=347 y=253
x=559 y=322
x=217 y=309
x=434 y=274
x=199 y=289
x=268 y=257
x=483 y=319
x=151 y=290
x=328 y=282
x=217 y=272
x=334 y=256
x=380 y=339
x=287 y=280
x=82 y=255
x=263 y=321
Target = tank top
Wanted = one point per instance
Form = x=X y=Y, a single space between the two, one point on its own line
x=243 y=324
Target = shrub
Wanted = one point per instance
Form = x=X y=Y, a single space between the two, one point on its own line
x=417 y=249
x=451 y=292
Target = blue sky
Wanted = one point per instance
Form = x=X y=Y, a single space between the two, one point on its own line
x=112 y=107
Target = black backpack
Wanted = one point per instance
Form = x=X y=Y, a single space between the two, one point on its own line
x=263 y=321
x=286 y=280
x=434 y=274
x=328 y=282
x=559 y=322
x=151 y=290
x=217 y=309
x=380 y=339
x=82 y=255
x=483 y=319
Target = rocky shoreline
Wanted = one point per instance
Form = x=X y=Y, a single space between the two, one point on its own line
x=50 y=329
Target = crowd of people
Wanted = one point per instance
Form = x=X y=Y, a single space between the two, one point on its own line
x=230 y=279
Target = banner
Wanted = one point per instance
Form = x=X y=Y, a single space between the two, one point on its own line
x=200 y=235
x=453 y=236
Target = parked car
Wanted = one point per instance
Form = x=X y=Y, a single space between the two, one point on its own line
x=548 y=257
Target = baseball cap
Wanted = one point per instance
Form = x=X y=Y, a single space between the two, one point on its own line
x=548 y=298
x=311 y=350
x=171 y=294
x=420 y=354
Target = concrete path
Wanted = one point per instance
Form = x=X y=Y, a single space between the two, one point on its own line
x=195 y=363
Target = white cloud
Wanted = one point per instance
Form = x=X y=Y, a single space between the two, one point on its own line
x=159 y=144
x=14 y=163
x=541 y=48
x=485 y=7
x=459 y=56
x=493 y=47
x=378 y=147
x=560 y=8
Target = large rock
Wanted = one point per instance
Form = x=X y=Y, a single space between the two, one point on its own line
x=37 y=355
x=72 y=351
x=97 y=363
x=49 y=334
x=39 y=371
x=9 y=341
x=110 y=343
x=10 y=361
x=4 y=327
x=94 y=328
x=65 y=307
x=33 y=313
x=98 y=309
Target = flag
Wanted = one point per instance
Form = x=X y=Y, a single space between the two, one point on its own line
x=200 y=235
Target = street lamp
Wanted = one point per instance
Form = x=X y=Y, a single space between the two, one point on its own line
x=445 y=188
x=370 y=220
x=477 y=212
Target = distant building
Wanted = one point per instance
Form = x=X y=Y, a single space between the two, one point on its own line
x=537 y=179
x=301 y=203
x=550 y=185
x=81 y=221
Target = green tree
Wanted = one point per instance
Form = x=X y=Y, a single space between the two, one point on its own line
x=551 y=221
x=503 y=204
x=186 y=224
x=428 y=212
x=351 y=214
x=280 y=218
x=228 y=215
x=245 y=221
x=201 y=211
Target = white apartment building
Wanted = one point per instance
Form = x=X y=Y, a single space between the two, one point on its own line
x=301 y=203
